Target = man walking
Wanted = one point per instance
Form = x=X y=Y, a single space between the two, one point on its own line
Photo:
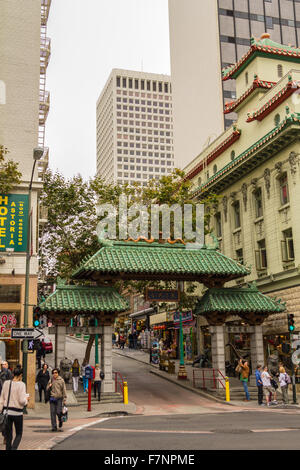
x=58 y=397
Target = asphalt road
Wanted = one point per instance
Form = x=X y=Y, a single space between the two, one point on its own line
x=172 y=418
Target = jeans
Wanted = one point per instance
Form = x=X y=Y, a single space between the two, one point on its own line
x=85 y=383
x=285 y=396
x=245 y=385
x=55 y=410
x=75 y=383
x=260 y=394
x=18 y=423
x=97 y=388
x=41 y=388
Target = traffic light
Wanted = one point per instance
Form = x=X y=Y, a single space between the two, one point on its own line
x=291 y=322
x=36 y=316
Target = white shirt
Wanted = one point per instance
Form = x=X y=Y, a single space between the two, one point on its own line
x=282 y=380
x=266 y=379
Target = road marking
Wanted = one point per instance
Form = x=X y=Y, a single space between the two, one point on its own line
x=275 y=430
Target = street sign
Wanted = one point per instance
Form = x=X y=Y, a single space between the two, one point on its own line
x=25 y=333
x=162 y=295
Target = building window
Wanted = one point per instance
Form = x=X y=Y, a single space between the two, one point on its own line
x=284 y=190
x=277 y=120
x=246 y=78
x=124 y=82
x=240 y=256
x=142 y=84
x=215 y=169
x=232 y=155
x=261 y=256
x=236 y=214
x=199 y=181
x=279 y=71
x=148 y=85
x=10 y=294
x=258 y=203
x=136 y=84
x=287 y=246
x=118 y=81
x=218 y=224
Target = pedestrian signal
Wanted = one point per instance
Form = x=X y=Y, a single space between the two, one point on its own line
x=291 y=322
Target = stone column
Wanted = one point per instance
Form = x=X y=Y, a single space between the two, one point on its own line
x=60 y=344
x=218 y=350
x=257 y=347
x=106 y=359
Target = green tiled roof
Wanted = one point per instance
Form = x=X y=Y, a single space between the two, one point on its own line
x=237 y=300
x=84 y=299
x=131 y=260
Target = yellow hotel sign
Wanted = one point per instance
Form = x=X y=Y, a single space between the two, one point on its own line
x=13 y=221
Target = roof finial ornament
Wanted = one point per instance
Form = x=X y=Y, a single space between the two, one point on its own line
x=103 y=239
x=265 y=36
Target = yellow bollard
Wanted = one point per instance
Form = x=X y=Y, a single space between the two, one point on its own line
x=227 y=389
x=125 y=393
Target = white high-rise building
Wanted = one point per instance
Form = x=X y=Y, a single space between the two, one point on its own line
x=135 y=127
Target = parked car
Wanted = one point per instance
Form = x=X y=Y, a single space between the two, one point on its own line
x=48 y=345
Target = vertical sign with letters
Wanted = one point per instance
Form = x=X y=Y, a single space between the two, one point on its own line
x=13 y=222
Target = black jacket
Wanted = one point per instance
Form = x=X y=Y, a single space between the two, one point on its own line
x=43 y=378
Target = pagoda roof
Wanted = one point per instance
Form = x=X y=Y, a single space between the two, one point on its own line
x=143 y=260
x=282 y=94
x=84 y=300
x=257 y=84
x=263 y=149
x=263 y=47
x=238 y=300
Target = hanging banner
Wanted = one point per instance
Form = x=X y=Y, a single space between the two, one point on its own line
x=13 y=222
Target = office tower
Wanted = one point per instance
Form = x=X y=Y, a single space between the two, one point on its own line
x=134 y=127
x=205 y=37
x=24 y=105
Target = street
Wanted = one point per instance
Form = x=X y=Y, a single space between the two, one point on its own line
x=170 y=417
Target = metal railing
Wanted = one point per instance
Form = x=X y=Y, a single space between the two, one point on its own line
x=119 y=383
x=208 y=378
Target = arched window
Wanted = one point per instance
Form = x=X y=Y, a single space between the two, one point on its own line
x=215 y=169
x=279 y=70
x=246 y=78
x=199 y=181
x=232 y=155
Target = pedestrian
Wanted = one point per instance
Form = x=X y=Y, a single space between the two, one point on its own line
x=39 y=353
x=113 y=340
x=58 y=398
x=75 y=375
x=267 y=387
x=130 y=338
x=42 y=379
x=43 y=349
x=259 y=384
x=99 y=376
x=84 y=380
x=14 y=398
x=117 y=339
x=244 y=377
x=135 y=338
x=122 y=341
x=5 y=374
x=284 y=381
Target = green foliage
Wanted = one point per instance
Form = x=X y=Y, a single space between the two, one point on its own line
x=9 y=174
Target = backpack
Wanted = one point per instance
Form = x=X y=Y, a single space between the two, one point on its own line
x=102 y=375
x=287 y=379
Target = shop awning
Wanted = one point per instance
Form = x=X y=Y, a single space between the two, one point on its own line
x=141 y=313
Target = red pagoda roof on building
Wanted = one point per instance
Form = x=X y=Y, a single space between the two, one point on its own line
x=236 y=134
x=275 y=101
x=262 y=47
x=230 y=107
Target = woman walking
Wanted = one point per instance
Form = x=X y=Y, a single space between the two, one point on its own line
x=58 y=398
x=42 y=380
x=14 y=398
x=99 y=376
x=75 y=375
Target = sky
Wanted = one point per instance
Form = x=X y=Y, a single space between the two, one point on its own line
x=88 y=39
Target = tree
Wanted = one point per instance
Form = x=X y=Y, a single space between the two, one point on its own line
x=70 y=233
x=9 y=174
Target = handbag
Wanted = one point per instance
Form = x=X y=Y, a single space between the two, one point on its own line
x=274 y=384
x=3 y=415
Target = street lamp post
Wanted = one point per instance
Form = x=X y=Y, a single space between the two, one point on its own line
x=37 y=155
x=182 y=375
